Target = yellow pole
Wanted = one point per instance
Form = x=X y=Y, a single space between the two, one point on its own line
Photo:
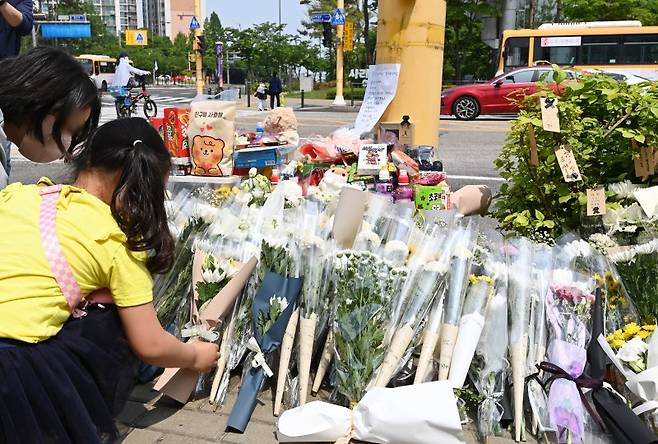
x=411 y=33
x=199 y=57
x=340 y=100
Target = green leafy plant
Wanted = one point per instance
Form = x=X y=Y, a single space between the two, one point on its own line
x=600 y=119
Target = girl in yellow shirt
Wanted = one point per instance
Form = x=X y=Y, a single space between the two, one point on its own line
x=64 y=371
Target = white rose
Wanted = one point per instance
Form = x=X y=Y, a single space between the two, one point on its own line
x=632 y=350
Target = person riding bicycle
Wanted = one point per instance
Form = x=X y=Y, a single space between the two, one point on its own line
x=123 y=75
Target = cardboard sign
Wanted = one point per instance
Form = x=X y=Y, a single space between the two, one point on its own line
x=534 y=153
x=349 y=215
x=550 y=114
x=596 y=202
x=645 y=163
x=568 y=165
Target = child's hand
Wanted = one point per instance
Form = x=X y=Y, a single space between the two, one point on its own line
x=205 y=355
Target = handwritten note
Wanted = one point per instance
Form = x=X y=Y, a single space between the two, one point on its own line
x=596 y=202
x=381 y=89
x=568 y=165
x=550 y=114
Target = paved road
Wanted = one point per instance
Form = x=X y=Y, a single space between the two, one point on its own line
x=467 y=149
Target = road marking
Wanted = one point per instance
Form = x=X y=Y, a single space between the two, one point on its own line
x=485 y=178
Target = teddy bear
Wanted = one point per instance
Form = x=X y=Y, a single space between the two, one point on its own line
x=207 y=153
x=334 y=179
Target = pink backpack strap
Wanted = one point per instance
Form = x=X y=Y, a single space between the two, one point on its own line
x=53 y=249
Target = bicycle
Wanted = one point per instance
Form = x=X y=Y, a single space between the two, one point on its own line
x=126 y=102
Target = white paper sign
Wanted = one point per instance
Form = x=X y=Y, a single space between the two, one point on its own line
x=382 y=85
x=549 y=42
x=648 y=199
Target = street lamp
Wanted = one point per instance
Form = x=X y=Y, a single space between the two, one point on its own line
x=279 y=12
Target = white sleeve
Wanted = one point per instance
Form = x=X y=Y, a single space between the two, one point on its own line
x=137 y=71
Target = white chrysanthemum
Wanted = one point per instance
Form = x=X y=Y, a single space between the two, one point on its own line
x=243 y=197
x=577 y=248
x=623 y=256
x=497 y=269
x=462 y=252
x=633 y=350
x=205 y=212
x=367 y=240
x=624 y=190
x=647 y=248
x=396 y=250
x=602 y=240
x=440 y=267
x=292 y=192
x=213 y=276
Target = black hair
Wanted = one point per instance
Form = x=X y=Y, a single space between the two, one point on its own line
x=123 y=54
x=47 y=81
x=134 y=148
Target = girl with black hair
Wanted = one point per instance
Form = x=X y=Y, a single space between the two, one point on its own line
x=66 y=368
x=48 y=105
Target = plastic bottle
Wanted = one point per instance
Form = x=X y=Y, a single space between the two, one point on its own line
x=260 y=130
x=274 y=179
x=404 y=192
x=384 y=184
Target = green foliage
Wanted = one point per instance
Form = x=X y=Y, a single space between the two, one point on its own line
x=536 y=201
x=595 y=10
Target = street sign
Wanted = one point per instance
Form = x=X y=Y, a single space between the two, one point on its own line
x=348 y=37
x=194 y=24
x=137 y=37
x=321 y=17
x=72 y=18
x=338 y=18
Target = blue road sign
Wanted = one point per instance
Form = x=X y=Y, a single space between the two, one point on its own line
x=139 y=38
x=78 y=18
x=321 y=17
x=338 y=18
x=194 y=24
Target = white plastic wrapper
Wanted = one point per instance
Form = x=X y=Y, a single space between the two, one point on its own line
x=402 y=415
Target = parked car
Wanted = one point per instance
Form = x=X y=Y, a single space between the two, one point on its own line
x=498 y=96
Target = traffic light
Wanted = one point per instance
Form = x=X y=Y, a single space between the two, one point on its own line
x=200 y=44
x=327 y=35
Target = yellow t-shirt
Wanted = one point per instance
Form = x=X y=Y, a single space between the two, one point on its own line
x=32 y=306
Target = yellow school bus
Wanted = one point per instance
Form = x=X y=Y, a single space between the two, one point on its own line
x=624 y=47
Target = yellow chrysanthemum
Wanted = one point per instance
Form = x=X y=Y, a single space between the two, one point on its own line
x=643 y=334
x=631 y=330
x=617 y=344
x=649 y=327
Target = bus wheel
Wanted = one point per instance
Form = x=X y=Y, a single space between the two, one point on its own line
x=466 y=108
x=104 y=86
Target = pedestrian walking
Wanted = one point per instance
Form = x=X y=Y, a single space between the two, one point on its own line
x=16 y=21
x=48 y=105
x=261 y=95
x=275 y=90
x=65 y=373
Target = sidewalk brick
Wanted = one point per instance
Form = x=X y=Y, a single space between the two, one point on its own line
x=138 y=436
x=183 y=422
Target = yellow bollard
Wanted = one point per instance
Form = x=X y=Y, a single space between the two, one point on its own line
x=412 y=33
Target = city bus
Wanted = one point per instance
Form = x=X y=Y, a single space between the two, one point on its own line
x=624 y=47
x=100 y=68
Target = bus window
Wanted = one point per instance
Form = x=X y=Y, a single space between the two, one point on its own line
x=106 y=67
x=88 y=66
x=600 y=50
x=516 y=52
x=560 y=55
x=640 y=49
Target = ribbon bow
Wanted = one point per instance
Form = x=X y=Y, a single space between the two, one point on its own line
x=259 y=359
x=199 y=331
x=581 y=382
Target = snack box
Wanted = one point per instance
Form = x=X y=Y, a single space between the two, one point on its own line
x=432 y=197
x=176 y=121
x=257 y=157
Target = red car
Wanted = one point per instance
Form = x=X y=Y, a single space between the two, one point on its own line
x=496 y=96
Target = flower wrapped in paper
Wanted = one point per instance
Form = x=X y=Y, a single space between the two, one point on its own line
x=519 y=260
x=365 y=286
x=272 y=307
x=426 y=275
x=402 y=415
x=459 y=270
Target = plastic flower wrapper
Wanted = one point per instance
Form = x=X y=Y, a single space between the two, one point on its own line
x=314 y=257
x=480 y=292
x=365 y=288
x=519 y=260
x=618 y=309
x=271 y=310
x=459 y=270
x=542 y=271
x=490 y=366
x=395 y=245
x=568 y=310
x=375 y=224
x=637 y=268
x=254 y=190
x=427 y=272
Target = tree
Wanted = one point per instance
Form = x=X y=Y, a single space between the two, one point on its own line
x=645 y=11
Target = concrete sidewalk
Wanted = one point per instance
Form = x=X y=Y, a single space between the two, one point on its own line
x=150 y=418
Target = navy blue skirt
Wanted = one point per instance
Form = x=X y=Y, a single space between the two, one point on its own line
x=69 y=388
